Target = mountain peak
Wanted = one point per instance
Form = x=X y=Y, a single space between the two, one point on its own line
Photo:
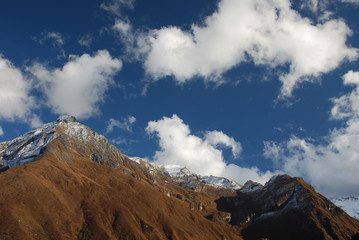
x=29 y=146
x=66 y=118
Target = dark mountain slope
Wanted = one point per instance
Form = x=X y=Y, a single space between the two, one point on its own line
x=287 y=208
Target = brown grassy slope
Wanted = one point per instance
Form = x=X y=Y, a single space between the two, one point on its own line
x=65 y=195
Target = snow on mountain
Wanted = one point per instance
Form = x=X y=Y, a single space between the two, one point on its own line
x=251 y=186
x=78 y=131
x=29 y=146
x=177 y=171
x=219 y=182
x=348 y=204
x=187 y=179
x=181 y=172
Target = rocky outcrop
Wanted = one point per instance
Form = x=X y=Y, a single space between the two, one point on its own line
x=287 y=208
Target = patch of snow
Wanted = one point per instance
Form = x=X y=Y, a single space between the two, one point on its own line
x=251 y=186
x=349 y=204
x=29 y=146
x=142 y=160
x=183 y=176
x=136 y=159
x=151 y=167
x=177 y=171
x=79 y=131
x=219 y=182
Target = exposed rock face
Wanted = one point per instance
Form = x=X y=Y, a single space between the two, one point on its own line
x=287 y=208
x=65 y=181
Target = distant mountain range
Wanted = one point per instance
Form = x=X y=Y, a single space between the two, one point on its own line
x=65 y=181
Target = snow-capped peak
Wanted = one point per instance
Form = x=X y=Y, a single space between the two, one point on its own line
x=29 y=146
x=176 y=171
x=251 y=186
x=184 y=176
x=220 y=182
x=182 y=173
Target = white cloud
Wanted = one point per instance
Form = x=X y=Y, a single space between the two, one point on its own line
x=119 y=141
x=1 y=131
x=317 y=6
x=126 y=124
x=55 y=37
x=216 y=138
x=321 y=7
x=80 y=85
x=200 y=155
x=135 y=42
x=267 y=32
x=86 y=40
x=126 y=35
x=351 y=1
x=123 y=27
x=331 y=166
x=115 y=6
x=15 y=97
x=311 y=4
x=347 y=105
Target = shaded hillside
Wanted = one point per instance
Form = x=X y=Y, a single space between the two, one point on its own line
x=287 y=208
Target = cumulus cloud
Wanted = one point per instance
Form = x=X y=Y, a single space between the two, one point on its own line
x=125 y=125
x=15 y=94
x=115 y=6
x=216 y=138
x=265 y=32
x=1 y=131
x=200 y=155
x=80 y=85
x=333 y=165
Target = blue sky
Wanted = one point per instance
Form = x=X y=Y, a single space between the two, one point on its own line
x=239 y=88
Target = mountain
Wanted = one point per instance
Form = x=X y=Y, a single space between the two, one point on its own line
x=286 y=206
x=65 y=181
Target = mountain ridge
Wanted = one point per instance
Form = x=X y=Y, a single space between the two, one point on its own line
x=74 y=184
x=29 y=146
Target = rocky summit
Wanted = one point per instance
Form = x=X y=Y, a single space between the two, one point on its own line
x=65 y=181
